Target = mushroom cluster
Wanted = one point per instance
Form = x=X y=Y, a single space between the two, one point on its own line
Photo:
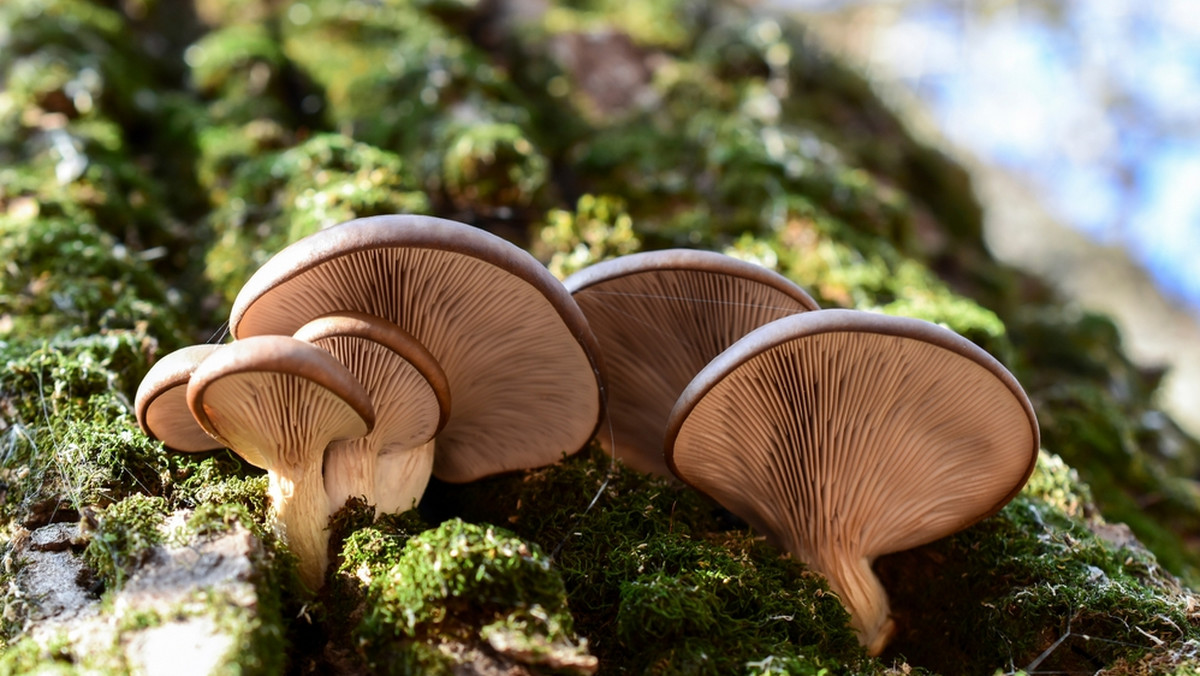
x=374 y=354
x=377 y=353
x=841 y=435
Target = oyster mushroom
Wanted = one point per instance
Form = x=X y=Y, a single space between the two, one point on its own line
x=517 y=352
x=660 y=317
x=283 y=400
x=161 y=401
x=846 y=435
x=411 y=399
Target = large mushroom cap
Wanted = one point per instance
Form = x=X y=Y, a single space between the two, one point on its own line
x=846 y=435
x=161 y=401
x=660 y=317
x=515 y=348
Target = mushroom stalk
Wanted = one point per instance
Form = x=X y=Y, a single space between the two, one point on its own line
x=410 y=394
x=301 y=509
x=864 y=597
x=284 y=401
x=401 y=476
x=350 y=471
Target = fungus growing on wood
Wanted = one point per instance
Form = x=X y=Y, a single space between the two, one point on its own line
x=161 y=401
x=846 y=435
x=516 y=350
x=283 y=400
x=411 y=399
x=660 y=317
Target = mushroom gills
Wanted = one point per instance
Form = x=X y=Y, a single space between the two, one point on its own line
x=846 y=435
x=408 y=389
x=284 y=400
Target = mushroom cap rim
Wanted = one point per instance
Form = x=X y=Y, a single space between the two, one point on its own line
x=697 y=260
x=169 y=375
x=285 y=355
x=819 y=322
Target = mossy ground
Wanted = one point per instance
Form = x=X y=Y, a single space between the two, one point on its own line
x=154 y=153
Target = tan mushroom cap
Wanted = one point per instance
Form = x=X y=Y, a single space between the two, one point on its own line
x=161 y=401
x=411 y=398
x=286 y=400
x=660 y=317
x=517 y=351
x=847 y=435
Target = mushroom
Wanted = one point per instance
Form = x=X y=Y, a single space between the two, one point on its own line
x=845 y=435
x=516 y=350
x=283 y=400
x=411 y=399
x=161 y=401
x=660 y=317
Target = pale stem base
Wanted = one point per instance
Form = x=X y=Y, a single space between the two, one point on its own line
x=864 y=598
x=401 y=477
x=302 y=520
x=350 y=467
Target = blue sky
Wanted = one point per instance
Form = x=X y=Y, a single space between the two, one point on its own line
x=1095 y=102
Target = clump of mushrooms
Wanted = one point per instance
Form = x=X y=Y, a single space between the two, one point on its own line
x=282 y=401
x=660 y=317
x=519 y=359
x=845 y=435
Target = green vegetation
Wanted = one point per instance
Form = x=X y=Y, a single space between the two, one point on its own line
x=151 y=159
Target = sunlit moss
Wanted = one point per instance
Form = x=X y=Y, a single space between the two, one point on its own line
x=122 y=535
x=283 y=196
x=460 y=583
x=600 y=228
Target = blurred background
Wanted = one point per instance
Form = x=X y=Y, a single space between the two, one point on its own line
x=1081 y=122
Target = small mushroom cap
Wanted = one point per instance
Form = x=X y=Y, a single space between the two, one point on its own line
x=412 y=403
x=660 y=317
x=276 y=395
x=161 y=401
x=881 y=433
x=408 y=388
x=517 y=352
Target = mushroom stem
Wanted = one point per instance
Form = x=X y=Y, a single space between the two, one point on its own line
x=350 y=471
x=401 y=476
x=864 y=597
x=301 y=514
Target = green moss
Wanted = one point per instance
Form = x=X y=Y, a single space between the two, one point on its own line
x=470 y=584
x=598 y=229
x=70 y=57
x=123 y=535
x=71 y=439
x=69 y=276
x=281 y=197
x=491 y=166
x=1010 y=587
x=28 y=656
x=239 y=70
x=219 y=480
x=656 y=581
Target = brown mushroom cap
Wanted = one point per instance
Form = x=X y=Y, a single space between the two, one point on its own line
x=847 y=435
x=285 y=400
x=161 y=401
x=515 y=348
x=660 y=317
x=411 y=398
